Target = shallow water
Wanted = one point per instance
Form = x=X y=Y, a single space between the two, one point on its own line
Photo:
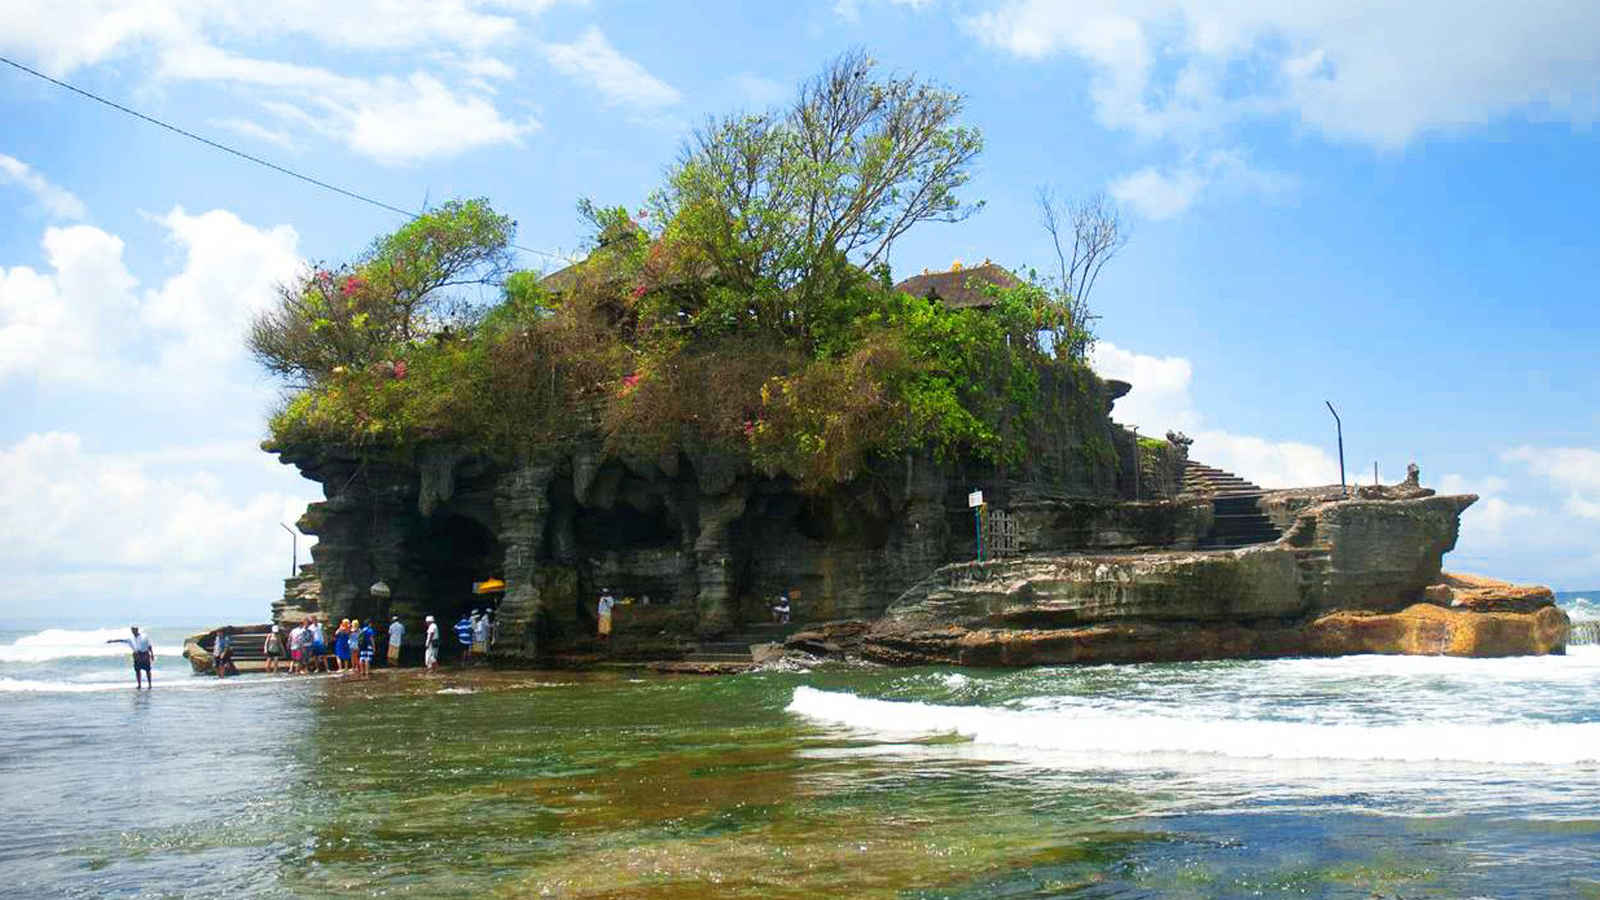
x=1396 y=776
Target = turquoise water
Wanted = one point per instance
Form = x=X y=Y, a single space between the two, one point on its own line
x=1348 y=777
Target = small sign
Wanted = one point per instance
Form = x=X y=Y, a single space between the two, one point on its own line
x=975 y=499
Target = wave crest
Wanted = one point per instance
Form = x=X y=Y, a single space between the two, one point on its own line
x=1137 y=734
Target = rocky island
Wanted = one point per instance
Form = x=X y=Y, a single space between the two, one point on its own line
x=730 y=398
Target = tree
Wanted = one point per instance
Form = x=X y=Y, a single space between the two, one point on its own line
x=783 y=206
x=1096 y=236
x=399 y=290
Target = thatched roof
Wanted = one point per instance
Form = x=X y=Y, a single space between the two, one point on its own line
x=960 y=288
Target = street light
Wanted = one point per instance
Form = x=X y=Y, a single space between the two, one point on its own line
x=1340 y=426
x=294 y=549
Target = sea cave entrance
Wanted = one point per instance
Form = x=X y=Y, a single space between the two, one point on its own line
x=447 y=554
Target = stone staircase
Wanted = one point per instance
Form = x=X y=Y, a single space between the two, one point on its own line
x=735 y=647
x=1237 y=520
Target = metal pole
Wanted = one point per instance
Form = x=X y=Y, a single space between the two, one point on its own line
x=1138 y=459
x=977 y=523
x=1374 y=473
x=1338 y=424
x=294 y=549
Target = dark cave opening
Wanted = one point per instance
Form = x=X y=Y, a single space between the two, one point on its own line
x=449 y=553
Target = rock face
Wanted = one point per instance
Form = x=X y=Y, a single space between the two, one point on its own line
x=1429 y=630
x=706 y=538
x=1346 y=577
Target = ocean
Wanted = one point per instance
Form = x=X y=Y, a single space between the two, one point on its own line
x=1359 y=776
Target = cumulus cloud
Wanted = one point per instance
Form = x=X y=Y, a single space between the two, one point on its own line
x=1573 y=471
x=85 y=317
x=1379 y=74
x=146 y=531
x=1161 y=400
x=622 y=81
x=394 y=120
x=56 y=202
x=396 y=117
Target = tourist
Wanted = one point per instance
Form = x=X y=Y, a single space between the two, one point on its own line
x=297 y=643
x=397 y=633
x=273 y=648
x=430 y=645
x=366 y=642
x=464 y=635
x=143 y=656
x=341 y=646
x=222 y=651
x=319 y=647
x=603 y=609
x=480 y=635
x=780 y=610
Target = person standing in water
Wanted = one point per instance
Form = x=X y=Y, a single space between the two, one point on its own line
x=480 y=636
x=464 y=635
x=397 y=633
x=430 y=645
x=366 y=641
x=603 y=611
x=143 y=656
x=273 y=648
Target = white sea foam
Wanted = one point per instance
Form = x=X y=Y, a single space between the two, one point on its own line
x=64 y=643
x=1132 y=734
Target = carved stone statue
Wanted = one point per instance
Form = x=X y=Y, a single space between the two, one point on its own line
x=1413 y=475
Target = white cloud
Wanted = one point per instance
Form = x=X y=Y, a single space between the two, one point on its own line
x=85 y=318
x=620 y=80
x=395 y=117
x=1162 y=194
x=54 y=325
x=1160 y=400
x=256 y=131
x=150 y=531
x=396 y=121
x=1574 y=471
x=1378 y=73
x=55 y=201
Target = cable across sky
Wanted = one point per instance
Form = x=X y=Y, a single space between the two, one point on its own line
x=234 y=151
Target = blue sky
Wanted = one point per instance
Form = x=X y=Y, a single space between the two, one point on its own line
x=1389 y=208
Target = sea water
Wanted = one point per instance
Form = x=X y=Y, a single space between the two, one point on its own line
x=1397 y=776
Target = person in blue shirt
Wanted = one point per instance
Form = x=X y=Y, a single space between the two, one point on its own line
x=222 y=652
x=366 y=641
x=464 y=635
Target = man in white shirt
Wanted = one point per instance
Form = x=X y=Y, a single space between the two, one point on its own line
x=430 y=645
x=143 y=656
x=397 y=633
x=480 y=635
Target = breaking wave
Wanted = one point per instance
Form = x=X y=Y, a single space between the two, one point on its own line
x=63 y=643
x=1132 y=735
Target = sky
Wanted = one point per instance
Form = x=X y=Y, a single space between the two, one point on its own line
x=1385 y=206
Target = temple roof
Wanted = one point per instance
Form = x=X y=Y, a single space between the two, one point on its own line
x=960 y=288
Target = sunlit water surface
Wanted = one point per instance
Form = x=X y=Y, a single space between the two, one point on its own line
x=1348 y=777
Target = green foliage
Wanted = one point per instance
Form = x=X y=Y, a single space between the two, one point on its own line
x=753 y=315
x=404 y=287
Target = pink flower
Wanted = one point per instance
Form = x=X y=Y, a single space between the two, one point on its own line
x=639 y=291
x=352 y=284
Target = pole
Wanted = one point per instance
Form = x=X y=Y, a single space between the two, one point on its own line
x=1374 y=473
x=1338 y=424
x=1138 y=460
x=294 y=549
x=977 y=524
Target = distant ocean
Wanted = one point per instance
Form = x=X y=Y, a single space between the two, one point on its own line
x=1396 y=776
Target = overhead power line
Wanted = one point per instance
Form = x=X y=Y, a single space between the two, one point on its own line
x=234 y=151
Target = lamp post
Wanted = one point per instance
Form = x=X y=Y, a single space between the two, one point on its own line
x=1339 y=425
x=294 y=549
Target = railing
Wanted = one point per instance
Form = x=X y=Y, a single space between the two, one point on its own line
x=1584 y=633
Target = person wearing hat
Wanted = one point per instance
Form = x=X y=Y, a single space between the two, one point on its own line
x=430 y=645
x=143 y=655
x=397 y=633
x=480 y=634
x=273 y=648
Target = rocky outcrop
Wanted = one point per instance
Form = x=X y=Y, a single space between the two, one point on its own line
x=1479 y=594
x=1429 y=630
x=1347 y=577
x=302 y=598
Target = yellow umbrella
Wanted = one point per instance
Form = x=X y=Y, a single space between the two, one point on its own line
x=492 y=586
